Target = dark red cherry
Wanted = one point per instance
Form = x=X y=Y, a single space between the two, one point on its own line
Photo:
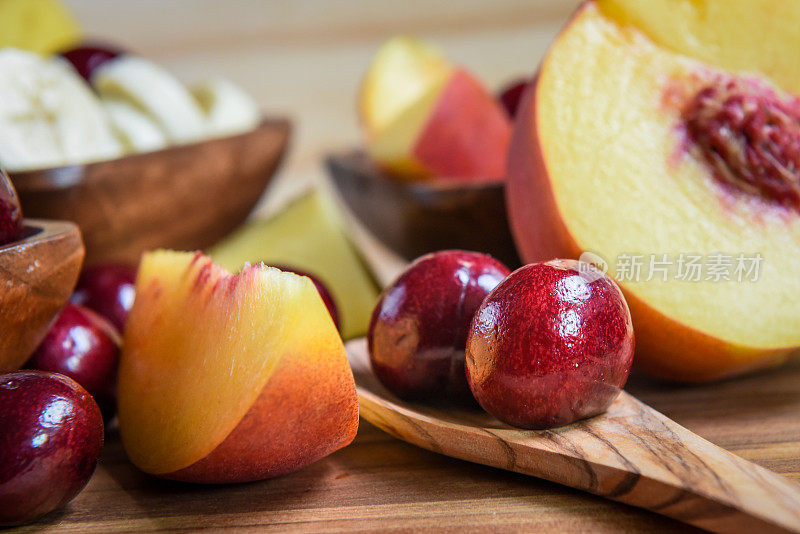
x=511 y=95
x=85 y=347
x=51 y=435
x=88 y=56
x=419 y=327
x=10 y=212
x=108 y=289
x=551 y=344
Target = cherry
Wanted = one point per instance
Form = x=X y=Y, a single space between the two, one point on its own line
x=551 y=344
x=418 y=330
x=88 y=56
x=85 y=347
x=10 y=212
x=51 y=438
x=109 y=290
x=511 y=95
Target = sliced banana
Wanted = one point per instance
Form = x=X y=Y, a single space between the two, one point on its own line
x=48 y=115
x=136 y=131
x=155 y=92
x=229 y=110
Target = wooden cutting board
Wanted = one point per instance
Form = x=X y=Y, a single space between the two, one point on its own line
x=380 y=483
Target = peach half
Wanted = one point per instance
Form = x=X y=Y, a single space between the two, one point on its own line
x=230 y=378
x=674 y=155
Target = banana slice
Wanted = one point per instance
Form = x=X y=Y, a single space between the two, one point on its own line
x=155 y=92
x=136 y=131
x=228 y=109
x=48 y=115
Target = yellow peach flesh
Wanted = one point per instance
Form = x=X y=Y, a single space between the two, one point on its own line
x=623 y=184
x=201 y=345
x=309 y=234
x=736 y=35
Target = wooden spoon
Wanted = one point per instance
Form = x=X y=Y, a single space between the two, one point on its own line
x=632 y=454
x=37 y=276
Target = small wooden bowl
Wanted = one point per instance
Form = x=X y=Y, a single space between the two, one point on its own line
x=414 y=218
x=37 y=276
x=183 y=197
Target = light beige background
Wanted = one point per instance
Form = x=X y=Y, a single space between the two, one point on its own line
x=304 y=59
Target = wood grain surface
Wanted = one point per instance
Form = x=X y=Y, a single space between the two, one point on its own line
x=37 y=276
x=383 y=484
x=184 y=197
x=631 y=453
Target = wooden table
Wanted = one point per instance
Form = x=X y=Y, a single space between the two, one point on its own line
x=379 y=483
x=304 y=60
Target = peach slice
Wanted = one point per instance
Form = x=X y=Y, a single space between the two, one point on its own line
x=230 y=378
x=456 y=129
x=627 y=148
x=403 y=70
x=309 y=234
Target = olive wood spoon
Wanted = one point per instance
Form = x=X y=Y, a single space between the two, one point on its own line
x=631 y=454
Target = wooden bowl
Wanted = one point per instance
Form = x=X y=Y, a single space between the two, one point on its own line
x=37 y=276
x=184 y=197
x=414 y=218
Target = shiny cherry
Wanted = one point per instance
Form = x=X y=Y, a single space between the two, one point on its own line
x=419 y=327
x=108 y=289
x=51 y=438
x=553 y=343
x=85 y=347
x=511 y=95
x=10 y=212
x=88 y=56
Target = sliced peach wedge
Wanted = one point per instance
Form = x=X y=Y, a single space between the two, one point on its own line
x=674 y=154
x=426 y=118
x=230 y=378
x=403 y=70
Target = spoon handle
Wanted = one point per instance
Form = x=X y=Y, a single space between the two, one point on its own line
x=632 y=454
